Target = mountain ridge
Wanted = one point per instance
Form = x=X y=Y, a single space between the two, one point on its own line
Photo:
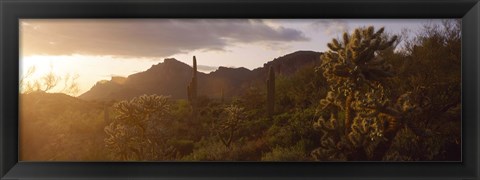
x=171 y=78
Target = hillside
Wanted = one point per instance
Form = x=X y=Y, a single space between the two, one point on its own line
x=59 y=126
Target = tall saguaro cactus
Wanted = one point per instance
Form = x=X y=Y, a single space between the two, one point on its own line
x=192 y=89
x=270 y=92
x=106 y=114
x=222 y=98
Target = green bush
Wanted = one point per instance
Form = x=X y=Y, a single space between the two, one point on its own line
x=293 y=153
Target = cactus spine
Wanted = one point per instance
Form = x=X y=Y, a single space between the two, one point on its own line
x=270 y=92
x=192 y=89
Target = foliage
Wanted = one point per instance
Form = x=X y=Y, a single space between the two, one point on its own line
x=292 y=153
x=48 y=82
x=288 y=129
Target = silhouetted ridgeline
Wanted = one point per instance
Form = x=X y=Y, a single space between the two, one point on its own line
x=172 y=77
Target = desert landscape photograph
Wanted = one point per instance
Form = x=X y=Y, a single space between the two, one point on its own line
x=258 y=90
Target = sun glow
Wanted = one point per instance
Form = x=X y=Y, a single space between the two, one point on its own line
x=89 y=69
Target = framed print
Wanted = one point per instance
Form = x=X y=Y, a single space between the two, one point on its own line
x=239 y=89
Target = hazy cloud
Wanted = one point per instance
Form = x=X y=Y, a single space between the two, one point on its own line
x=205 y=68
x=330 y=26
x=147 y=37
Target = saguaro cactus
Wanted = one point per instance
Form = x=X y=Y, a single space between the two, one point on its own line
x=270 y=92
x=106 y=114
x=222 y=98
x=192 y=89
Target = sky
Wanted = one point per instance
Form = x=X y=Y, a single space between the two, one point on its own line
x=97 y=49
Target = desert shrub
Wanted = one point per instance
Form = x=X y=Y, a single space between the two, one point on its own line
x=292 y=153
x=211 y=149
x=442 y=145
x=183 y=147
x=290 y=128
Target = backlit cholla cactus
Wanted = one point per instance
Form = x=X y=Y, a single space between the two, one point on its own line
x=355 y=73
x=136 y=132
x=230 y=124
x=353 y=65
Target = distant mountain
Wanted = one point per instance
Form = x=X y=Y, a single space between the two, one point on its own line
x=171 y=78
x=168 y=78
x=289 y=64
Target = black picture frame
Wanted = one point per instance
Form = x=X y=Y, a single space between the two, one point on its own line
x=12 y=10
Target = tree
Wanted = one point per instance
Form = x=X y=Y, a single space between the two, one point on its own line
x=70 y=85
x=27 y=75
x=48 y=82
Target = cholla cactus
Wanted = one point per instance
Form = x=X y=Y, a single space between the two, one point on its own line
x=355 y=72
x=332 y=143
x=136 y=132
x=353 y=64
x=231 y=122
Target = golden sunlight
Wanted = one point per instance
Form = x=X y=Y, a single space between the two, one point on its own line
x=89 y=69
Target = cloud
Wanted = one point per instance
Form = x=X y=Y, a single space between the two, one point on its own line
x=330 y=26
x=147 y=37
